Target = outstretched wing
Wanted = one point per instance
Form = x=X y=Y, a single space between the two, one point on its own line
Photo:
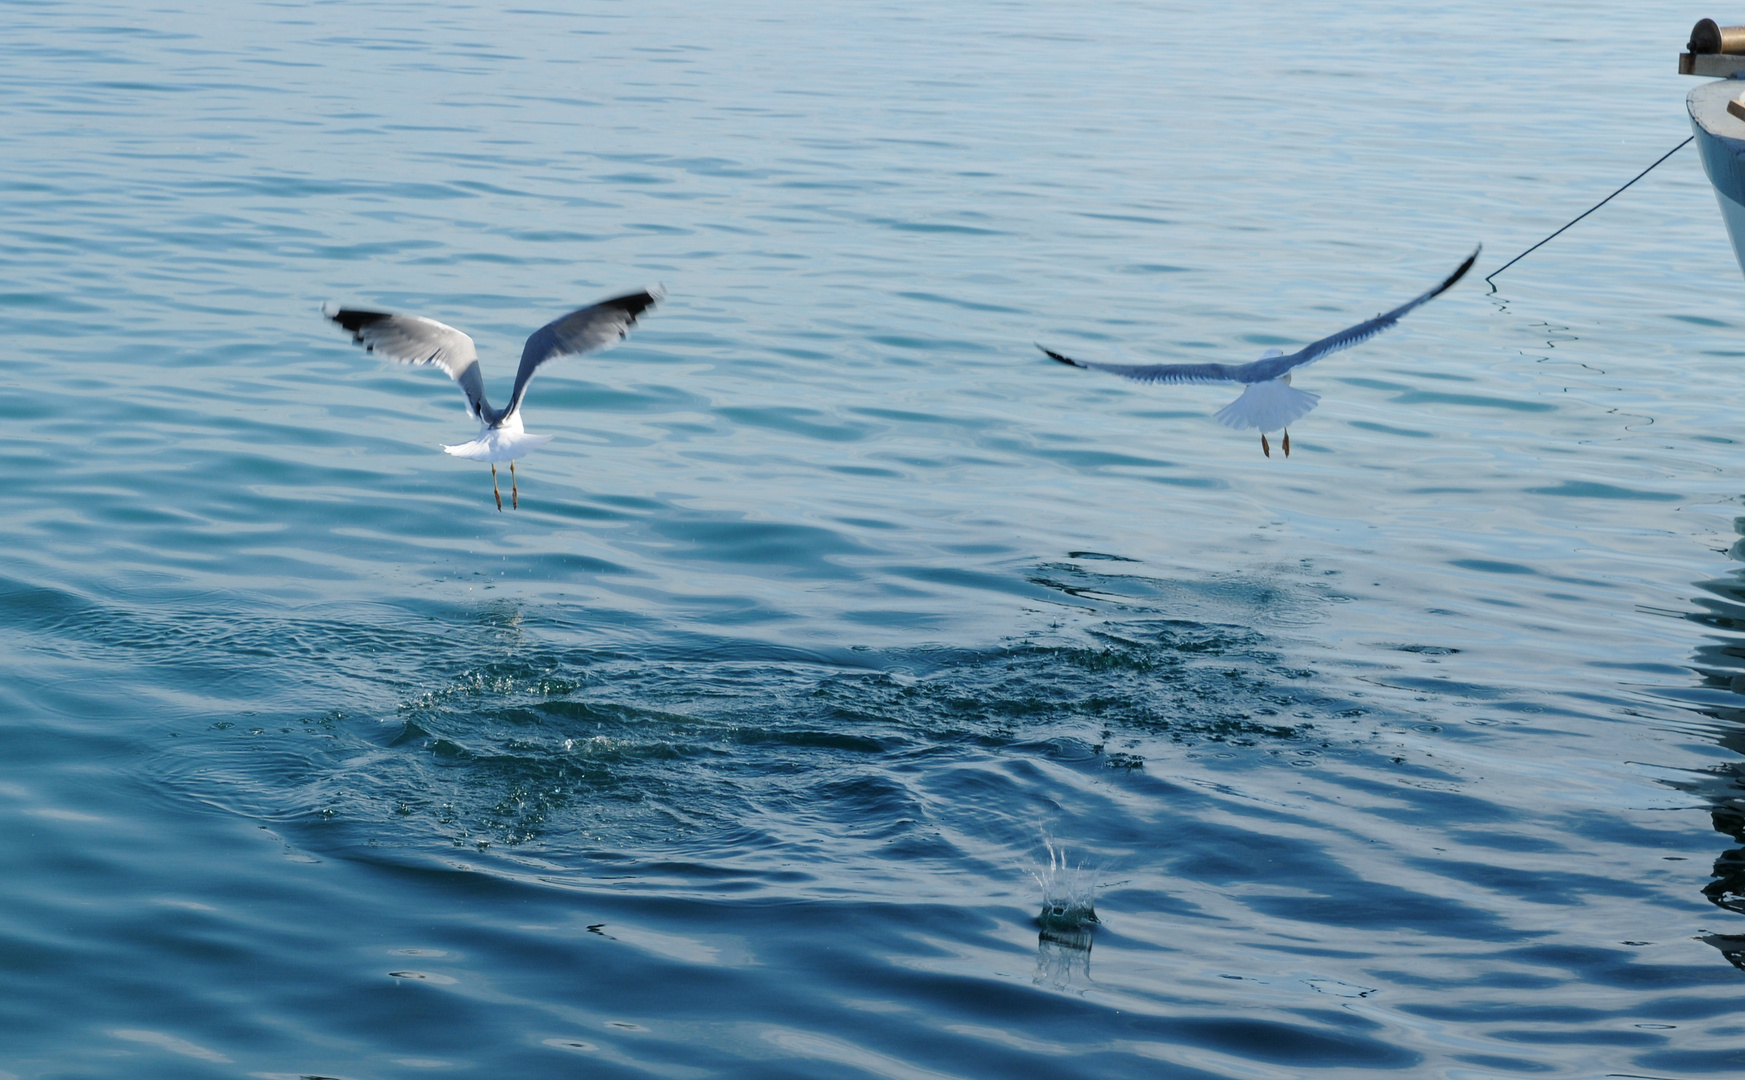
x=1163 y=373
x=1273 y=367
x=590 y=328
x=421 y=342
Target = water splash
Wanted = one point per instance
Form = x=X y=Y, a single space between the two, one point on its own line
x=1069 y=894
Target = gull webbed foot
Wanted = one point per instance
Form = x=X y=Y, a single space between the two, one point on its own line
x=1265 y=448
x=1287 y=442
x=514 y=492
x=494 y=490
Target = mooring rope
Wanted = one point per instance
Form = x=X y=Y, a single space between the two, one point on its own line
x=1583 y=214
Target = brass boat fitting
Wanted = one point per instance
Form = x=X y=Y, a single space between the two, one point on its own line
x=1709 y=37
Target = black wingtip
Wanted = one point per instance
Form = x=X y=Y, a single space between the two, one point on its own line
x=1056 y=356
x=1459 y=272
x=353 y=319
x=634 y=304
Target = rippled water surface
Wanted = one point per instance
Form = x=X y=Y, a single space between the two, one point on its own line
x=857 y=693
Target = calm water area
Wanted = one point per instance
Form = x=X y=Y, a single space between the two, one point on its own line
x=841 y=637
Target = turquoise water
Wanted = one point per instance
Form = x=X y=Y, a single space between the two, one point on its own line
x=840 y=636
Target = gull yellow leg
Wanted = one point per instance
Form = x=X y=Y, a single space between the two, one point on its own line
x=514 y=492
x=494 y=490
x=1264 y=448
x=1287 y=442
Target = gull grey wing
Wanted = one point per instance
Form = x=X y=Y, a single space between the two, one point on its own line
x=583 y=330
x=1163 y=373
x=1273 y=367
x=421 y=342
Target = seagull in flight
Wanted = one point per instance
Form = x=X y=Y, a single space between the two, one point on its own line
x=420 y=342
x=1268 y=401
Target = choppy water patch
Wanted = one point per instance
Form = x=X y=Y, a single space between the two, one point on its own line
x=553 y=756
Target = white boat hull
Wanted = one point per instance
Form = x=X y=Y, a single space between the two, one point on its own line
x=1720 y=138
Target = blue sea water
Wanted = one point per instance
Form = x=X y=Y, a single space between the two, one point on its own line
x=845 y=654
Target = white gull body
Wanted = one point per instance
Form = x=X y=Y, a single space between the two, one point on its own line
x=422 y=342
x=494 y=444
x=1268 y=401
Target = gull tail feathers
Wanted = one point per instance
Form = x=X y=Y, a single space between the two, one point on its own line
x=1268 y=406
x=499 y=444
